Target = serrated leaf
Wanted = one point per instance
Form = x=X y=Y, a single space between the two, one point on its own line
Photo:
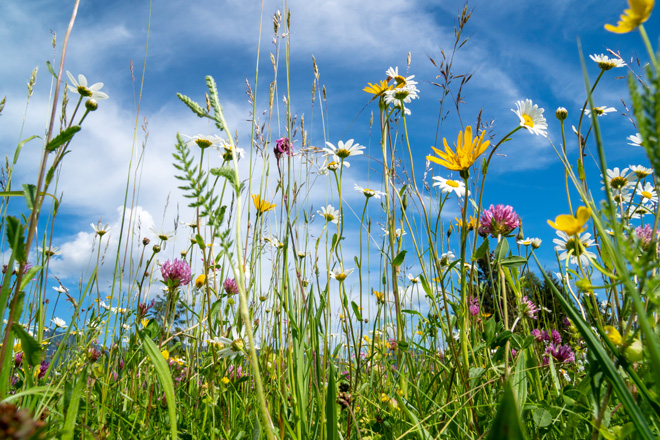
x=30 y=194
x=62 y=138
x=227 y=172
x=15 y=238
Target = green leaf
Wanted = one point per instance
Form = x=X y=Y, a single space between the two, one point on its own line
x=228 y=173
x=507 y=423
x=31 y=347
x=331 y=406
x=519 y=379
x=356 y=310
x=73 y=406
x=501 y=339
x=50 y=69
x=20 y=147
x=481 y=250
x=163 y=373
x=489 y=330
x=426 y=286
x=501 y=250
x=62 y=138
x=399 y=258
x=200 y=242
x=30 y=194
x=29 y=275
x=15 y=238
x=513 y=261
x=541 y=417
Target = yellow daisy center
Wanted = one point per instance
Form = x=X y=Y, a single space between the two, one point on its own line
x=341 y=276
x=203 y=143
x=452 y=183
x=647 y=194
x=618 y=182
x=529 y=122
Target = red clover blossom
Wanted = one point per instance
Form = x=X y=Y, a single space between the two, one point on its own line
x=175 y=273
x=498 y=221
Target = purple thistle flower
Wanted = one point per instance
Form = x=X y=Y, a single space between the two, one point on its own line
x=537 y=335
x=230 y=286
x=498 y=221
x=561 y=353
x=528 y=308
x=283 y=146
x=18 y=359
x=556 y=337
x=175 y=273
x=474 y=306
x=43 y=368
x=645 y=236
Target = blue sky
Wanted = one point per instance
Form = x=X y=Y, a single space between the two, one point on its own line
x=516 y=50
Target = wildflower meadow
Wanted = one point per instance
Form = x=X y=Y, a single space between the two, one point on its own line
x=308 y=284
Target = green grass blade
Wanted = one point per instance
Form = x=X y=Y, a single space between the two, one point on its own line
x=331 y=406
x=74 y=405
x=163 y=372
x=507 y=423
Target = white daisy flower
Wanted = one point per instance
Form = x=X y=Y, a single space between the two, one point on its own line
x=413 y=279
x=533 y=242
x=60 y=289
x=448 y=186
x=641 y=171
x=571 y=249
x=236 y=346
x=329 y=213
x=340 y=274
x=273 y=241
x=162 y=235
x=59 y=322
x=368 y=193
x=403 y=94
x=531 y=117
x=649 y=194
x=398 y=232
x=619 y=181
x=204 y=142
x=343 y=150
x=607 y=63
x=400 y=80
x=49 y=251
x=446 y=258
x=81 y=88
x=100 y=230
x=635 y=140
x=599 y=111
x=225 y=150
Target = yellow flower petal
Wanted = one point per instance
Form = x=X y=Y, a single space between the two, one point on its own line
x=572 y=225
x=639 y=12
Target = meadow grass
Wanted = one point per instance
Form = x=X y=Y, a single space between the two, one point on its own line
x=280 y=320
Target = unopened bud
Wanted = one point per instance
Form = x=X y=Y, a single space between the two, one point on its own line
x=561 y=113
x=91 y=105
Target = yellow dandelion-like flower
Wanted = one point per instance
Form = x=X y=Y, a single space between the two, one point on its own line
x=262 y=205
x=166 y=354
x=380 y=296
x=378 y=88
x=200 y=281
x=468 y=149
x=572 y=225
x=225 y=380
x=639 y=12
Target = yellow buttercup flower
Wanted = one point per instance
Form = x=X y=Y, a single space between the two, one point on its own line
x=262 y=205
x=639 y=12
x=166 y=354
x=467 y=151
x=378 y=88
x=225 y=380
x=572 y=225
x=613 y=335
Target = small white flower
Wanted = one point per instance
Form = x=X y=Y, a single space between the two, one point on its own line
x=100 y=230
x=569 y=248
x=649 y=194
x=635 y=140
x=50 y=251
x=81 y=88
x=607 y=63
x=340 y=274
x=343 y=150
x=534 y=242
x=413 y=279
x=329 y=213
x=60 y=289
x=398 y=232
x=599 y=111
x=162 y=235
x=641 y=171
x=531 y=117
x=368 y=193
x=449 y=186
x=58 y=322
x=447 y=258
